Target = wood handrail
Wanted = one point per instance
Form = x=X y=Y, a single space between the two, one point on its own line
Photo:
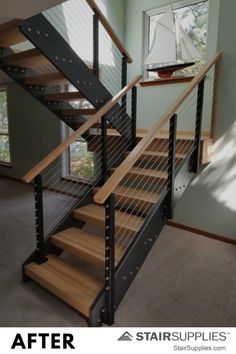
x=58 y=151
x=128 y=163
x=109 y=30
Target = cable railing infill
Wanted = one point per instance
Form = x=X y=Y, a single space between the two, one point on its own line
x=111 y=184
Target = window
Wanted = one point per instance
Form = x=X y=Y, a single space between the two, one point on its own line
x=4 y=130
x=78 y=161
x=81 y=161
x=193 y=16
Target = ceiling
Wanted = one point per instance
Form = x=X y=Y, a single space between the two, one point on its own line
x=11 y=9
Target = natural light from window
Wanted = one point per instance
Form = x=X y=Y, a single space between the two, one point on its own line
x=4 y=130
x=219 y=178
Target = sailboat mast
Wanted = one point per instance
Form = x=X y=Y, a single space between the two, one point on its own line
x=176 y=38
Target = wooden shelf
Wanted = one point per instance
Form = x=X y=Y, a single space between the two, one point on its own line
x=167 y=81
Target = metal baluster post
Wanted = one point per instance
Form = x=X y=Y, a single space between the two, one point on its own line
x=38 y=189
x=124 y=82
x=134 y=115
x=110 y=260
x=104 y=166
x=197 y=142
x=96 y=44
x=171 y=167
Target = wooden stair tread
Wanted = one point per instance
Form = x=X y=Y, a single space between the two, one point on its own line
x=161 y=135
x=153 y=154
x=95 y=214
x=79 y=112
x=27 y=59
x=163 y=154
x=146 y=172
x=75 y=287
x=64 y=96
x=132 y=193
x=55 y=78
x=84 y=245
x=10 y=34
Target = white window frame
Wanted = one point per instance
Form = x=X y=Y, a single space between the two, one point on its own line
x=3 y=88
x=157 y=11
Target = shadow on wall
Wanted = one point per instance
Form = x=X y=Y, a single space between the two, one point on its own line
x=220 y=176
x=217 y=186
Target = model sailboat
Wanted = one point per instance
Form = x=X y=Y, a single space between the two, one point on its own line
x=172 y=49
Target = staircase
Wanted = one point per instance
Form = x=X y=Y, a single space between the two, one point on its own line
x=89 y=254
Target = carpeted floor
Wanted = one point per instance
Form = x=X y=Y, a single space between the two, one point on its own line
x=187 y=280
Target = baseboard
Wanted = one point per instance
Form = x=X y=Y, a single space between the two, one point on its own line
x=202 y=233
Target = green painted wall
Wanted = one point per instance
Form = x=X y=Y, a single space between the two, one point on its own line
x=115 y=13
x=212 y=196
x=34 y=131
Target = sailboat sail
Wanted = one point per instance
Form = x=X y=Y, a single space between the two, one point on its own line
x=163 y=48
x=171 y=44
x=188 y=50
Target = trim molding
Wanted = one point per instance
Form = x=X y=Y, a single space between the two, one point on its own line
x=202 y=233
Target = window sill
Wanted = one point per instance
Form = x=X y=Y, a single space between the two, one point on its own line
x=167 y=81
x=5 y=164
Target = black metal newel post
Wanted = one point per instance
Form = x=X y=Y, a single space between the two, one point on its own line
x=104 y=157
x=134 y=115
x=96 y=44
x=171 y=166
x=124 y=82
x=110 y=260
x=197 y=142
x=38 y=190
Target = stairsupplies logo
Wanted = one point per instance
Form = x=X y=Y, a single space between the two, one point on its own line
x=126 y=337
x=182 y=336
